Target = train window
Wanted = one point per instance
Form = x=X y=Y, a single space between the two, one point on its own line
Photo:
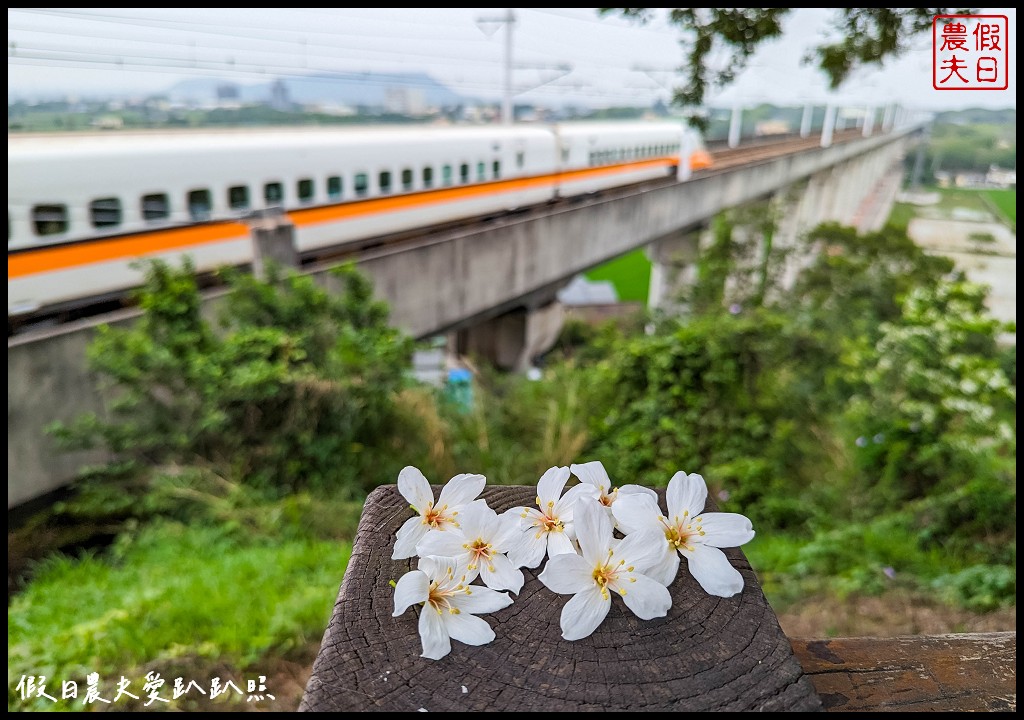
x=273 y=193
x=305 y=190
x=50 y=219
x=520 y=160
x=496 y=167
x=362 y=184
x=464 y=173
x=446 y=175
x=384 y=181
x=428 y=177
x=105 y=212
x=481 y=171
x=334 y=187
x=565 y=154
x=200 y=204
x=156 y=206
x=407 y=179
x=238 y=197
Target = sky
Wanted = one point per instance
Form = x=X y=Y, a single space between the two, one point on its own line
x=561 y=55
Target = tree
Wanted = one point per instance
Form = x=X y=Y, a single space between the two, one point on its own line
x=870 y=35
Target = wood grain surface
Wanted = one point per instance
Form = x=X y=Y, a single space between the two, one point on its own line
x=708 y=653
x=945 y=673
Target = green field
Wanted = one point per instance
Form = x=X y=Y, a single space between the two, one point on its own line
x=630 y=274
x=1006 y=201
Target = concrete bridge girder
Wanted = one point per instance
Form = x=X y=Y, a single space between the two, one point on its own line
x=838 y=193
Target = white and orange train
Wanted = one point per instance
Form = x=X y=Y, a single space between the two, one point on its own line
x=82 y=207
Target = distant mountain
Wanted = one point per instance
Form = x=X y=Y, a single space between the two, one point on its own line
x=978 y=115
x=373 y=89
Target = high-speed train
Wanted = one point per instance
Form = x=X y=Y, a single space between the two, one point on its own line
x=82 y=207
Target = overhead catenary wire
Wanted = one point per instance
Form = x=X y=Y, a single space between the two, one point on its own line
x=249 y=62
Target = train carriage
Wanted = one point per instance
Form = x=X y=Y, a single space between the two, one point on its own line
x=83 y=207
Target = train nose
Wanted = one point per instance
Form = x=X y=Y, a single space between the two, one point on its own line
x=701 y=160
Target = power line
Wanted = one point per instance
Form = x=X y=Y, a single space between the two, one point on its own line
x=39 y=54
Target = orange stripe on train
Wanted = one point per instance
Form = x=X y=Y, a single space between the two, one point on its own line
x=137 y=245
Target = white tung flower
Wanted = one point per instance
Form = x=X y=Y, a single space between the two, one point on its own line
x=593 y=473
x=449 y=605
x=455 y=496
x=479 y=543
x=547 y=529
x=608 y=566
x=695 y=534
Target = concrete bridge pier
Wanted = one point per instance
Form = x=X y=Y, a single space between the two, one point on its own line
x=514 y=339
x=673 y=268
x=858 y=192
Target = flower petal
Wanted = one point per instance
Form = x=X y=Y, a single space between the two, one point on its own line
x=415 y=488
x=467 y=628
x=443 y=543
x=411 y=589
x=711 y=568
x=634 y=513
x=726 y=530
x=439 y=568
x=501 y=575
x=584 y=612
x=529 y=548
x=638 y=490
x=433 y=634
x=567 y=504
x=686 y=493
x=411 y=532
x=593 y=530
x=481 y=600
x=567 y=574
x=461 y=490
x=646 y=597
x=550 y=485
x=559 y=544
x=593 y=473
x=666 y=569
x=475 y=521
x=642 y=550
x=510 y=527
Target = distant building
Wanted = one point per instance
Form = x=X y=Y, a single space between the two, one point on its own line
x=227 y=92
x=405 y=101
x=771 y=127
x=279 y=99
x=108 y=122
x=332 y=109
x=997 y=177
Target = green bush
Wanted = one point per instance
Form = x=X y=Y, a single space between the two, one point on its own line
x=288 y=392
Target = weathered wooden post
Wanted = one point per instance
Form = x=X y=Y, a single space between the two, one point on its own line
x=708 y=653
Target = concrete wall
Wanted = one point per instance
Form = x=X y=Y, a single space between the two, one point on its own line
x=452 y=281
